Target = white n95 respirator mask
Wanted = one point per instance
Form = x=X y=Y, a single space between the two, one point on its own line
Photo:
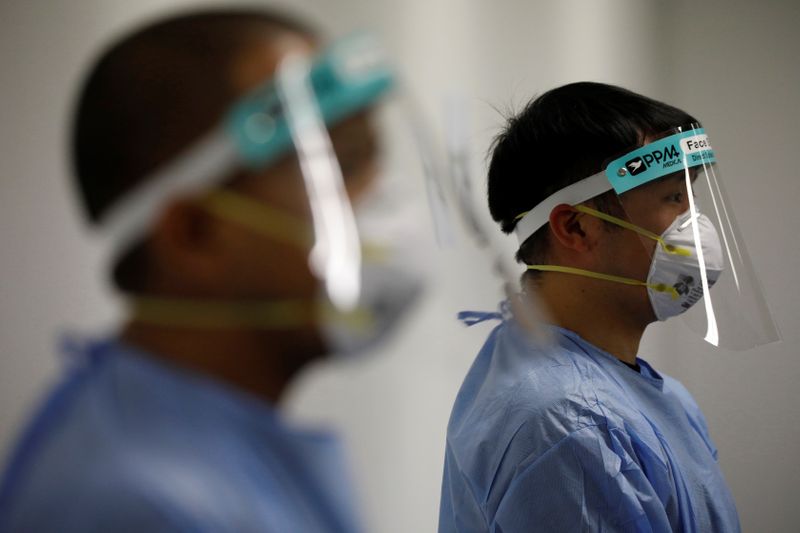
x=681 y=265
x=395 y=265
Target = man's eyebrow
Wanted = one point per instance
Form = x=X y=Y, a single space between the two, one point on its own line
x=673 y=177
x=681 y=175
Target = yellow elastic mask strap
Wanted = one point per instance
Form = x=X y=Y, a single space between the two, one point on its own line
x=259 y=217
x=669 y=248
x=201 y=314
x=660 y=287
x=375 y=252
x=274 y=222
x=211 y=314
x=359 y=320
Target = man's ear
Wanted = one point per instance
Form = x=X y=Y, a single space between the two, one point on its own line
x=569 y=227
x=186 y=241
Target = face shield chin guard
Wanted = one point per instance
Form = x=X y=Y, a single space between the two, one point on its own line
x=672 y=197
x=293 y=111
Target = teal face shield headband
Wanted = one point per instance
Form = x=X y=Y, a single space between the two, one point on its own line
x=671 y=154
x=349 y=76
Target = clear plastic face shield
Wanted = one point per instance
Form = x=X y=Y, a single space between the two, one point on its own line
x=677 y=238
x=317 y=121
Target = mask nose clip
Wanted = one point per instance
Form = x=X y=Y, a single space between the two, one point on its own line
x=689 y=220
x=679 y=227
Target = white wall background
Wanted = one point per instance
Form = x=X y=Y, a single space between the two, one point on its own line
x=732 y=63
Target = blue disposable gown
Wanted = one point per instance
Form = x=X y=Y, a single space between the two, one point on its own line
x=567 y=438
x=129 y=444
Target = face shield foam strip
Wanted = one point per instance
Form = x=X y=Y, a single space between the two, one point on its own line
x=348 y=77
x=685 y=149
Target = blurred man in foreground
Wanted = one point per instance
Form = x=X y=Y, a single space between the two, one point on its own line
x=172 y=423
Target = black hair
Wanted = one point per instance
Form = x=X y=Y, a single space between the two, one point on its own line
x=561 y=137
x=150 y=95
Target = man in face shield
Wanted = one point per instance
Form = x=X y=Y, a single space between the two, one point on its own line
x=171 y=424
x=579 y=434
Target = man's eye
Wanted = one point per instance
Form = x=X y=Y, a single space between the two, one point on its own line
x=676 y=197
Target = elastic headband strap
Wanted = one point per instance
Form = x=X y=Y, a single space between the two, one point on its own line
x=222 y=314
x=669 y=248
x=658 y=287
x=577 y=193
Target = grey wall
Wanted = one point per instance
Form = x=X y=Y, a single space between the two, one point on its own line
x=734 y=64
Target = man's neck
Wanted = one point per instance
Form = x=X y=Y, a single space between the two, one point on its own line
x=242 y=359
x=585 y=306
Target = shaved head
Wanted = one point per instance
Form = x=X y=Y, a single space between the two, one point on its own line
x=156 y=90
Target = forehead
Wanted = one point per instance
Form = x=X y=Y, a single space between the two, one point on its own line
x=259 y=61
x=670 y=180
x=654 y=191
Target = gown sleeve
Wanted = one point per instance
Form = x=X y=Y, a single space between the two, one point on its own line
x=588 y=481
